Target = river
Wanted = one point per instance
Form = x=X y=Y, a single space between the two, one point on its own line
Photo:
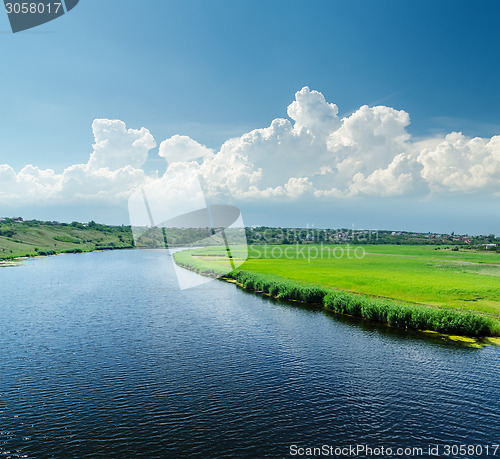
x=102 y=356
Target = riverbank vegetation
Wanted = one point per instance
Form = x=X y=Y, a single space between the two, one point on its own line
x=37 y=238
x=455 y=292
x=442 y=320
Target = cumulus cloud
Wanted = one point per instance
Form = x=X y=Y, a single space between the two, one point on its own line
x=369 y=152
x=111 y=173
x=261 y=162
x=323 y=154
x=314 y=154
x=84 y=183
x=312 y=112
x=30 y=184
x=116 y=146
x=264 y=157
x=367 y=141
x=181 y=148
x=462 y=164
x=401 y=176
x=297 y=186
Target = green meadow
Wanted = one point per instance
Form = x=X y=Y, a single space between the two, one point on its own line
x=466 y=279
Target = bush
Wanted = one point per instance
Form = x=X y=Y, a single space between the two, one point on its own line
x=6 y=232
x=70 y=239
x=279 y=288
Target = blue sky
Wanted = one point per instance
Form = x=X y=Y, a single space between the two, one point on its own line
x=213 y=70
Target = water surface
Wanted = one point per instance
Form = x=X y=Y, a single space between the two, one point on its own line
x=101 y=356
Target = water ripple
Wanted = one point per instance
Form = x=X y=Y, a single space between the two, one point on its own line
x=102 y=357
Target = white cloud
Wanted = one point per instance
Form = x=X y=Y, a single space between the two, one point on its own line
x=116 y=146
x=109 y=176
x=181 y=148
x=298 y=186
x=400 y=177
x=369 y=152
x=260 y=163
x=332 y=156
x=312 y=112
x=368 y=140
x=265 y=158
x=462 y=164
x=316 y=154
x=82 y=182
x=30 y=184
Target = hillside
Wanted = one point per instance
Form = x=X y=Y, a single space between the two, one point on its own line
x=32 y=238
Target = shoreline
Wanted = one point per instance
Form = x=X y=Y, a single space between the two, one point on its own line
x=455 y=323
x=15 y=260
x=476 y=342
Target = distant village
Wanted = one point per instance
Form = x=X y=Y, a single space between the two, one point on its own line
x=263 y=234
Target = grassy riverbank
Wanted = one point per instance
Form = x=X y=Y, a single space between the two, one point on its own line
x=414 y=287
x=30 y=239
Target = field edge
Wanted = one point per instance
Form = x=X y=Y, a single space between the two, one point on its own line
x=416 y=317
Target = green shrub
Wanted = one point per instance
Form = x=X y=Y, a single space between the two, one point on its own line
x=278 y=287
x=70 y=239
x=7 y=232
x=412 y=316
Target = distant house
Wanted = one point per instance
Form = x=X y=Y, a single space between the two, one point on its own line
x=17 y=219
x=490 y=246
x=2 y=219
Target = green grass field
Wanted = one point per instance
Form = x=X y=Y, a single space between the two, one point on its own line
x=464 y=279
